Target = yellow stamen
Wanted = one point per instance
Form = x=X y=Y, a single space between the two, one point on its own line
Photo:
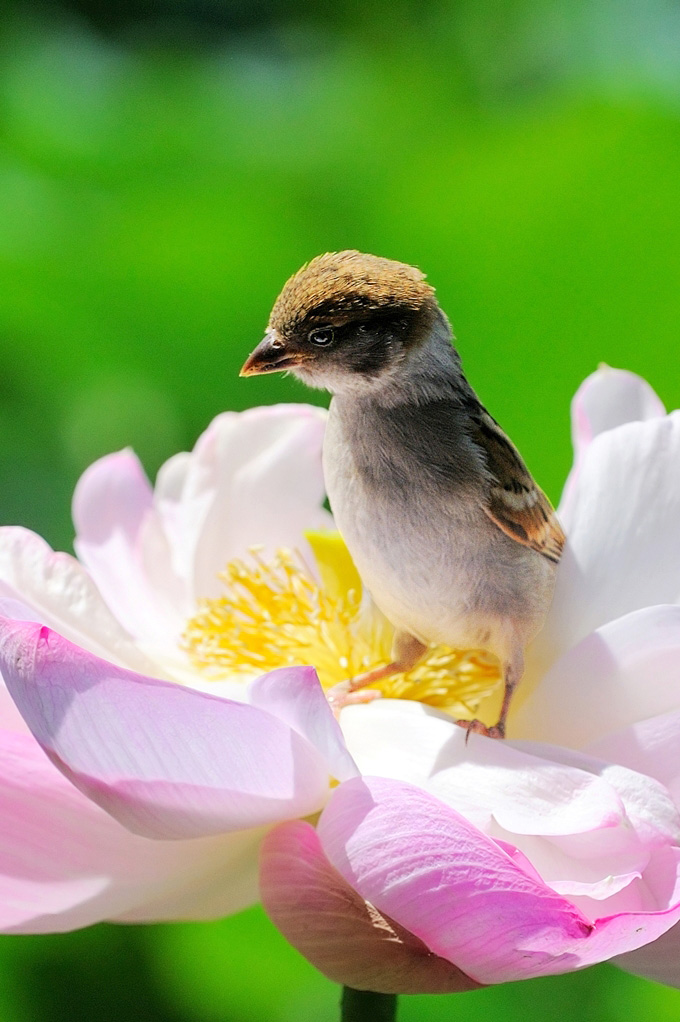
x=275 y=614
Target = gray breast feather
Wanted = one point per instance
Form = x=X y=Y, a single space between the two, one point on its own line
x=403 y=494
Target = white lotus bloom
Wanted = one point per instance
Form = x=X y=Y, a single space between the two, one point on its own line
x=144 y=669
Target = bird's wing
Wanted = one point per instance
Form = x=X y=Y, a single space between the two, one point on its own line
x=513 y=501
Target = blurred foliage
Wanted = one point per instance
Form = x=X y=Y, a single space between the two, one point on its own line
x=164 y=166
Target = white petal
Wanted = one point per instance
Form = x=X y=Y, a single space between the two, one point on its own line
x=606 y=399
x=609 y=398
x=262 y=469
x=397 y=738
x=479 y=777
x=648 y=747
x=623 y=540
x=646 y=798
x=57 y=591
x=623 y=672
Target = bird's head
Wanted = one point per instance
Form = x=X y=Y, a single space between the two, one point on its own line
x=345 y=321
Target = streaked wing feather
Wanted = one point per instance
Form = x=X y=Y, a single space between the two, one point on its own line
x=514 y=501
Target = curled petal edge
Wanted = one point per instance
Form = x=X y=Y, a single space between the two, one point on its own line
x=342 y=935
x=424 y=865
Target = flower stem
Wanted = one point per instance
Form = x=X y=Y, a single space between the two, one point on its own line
x=365 y=1006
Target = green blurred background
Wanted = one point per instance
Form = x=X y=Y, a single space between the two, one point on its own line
x=164 y=166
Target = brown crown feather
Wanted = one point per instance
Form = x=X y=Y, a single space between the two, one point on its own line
x=337 y=287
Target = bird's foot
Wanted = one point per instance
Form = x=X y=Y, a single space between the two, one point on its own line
x=478 y=728
x=354 y=690
x=346 y=693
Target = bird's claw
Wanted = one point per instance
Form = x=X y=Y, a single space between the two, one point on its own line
x=478 y=728
x=346 y=694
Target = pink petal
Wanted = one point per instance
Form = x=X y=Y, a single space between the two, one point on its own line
x=165 y=760
x=428 y=868
x=294 y=695
x=112 y=496
x=54 y=589
x=112 y=509
x=520 y=859
x=10 y=718
x=625 y=671
x=65 y=863
x=344 y=937
x=648 y=805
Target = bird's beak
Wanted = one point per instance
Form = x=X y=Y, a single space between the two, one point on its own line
x=272 y=355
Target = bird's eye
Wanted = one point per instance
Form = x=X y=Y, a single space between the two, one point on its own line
x=322 y=337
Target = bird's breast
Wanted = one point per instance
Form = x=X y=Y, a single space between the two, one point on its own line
x=432 y=560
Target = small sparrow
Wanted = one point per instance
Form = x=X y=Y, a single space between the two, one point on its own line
x=449 y=532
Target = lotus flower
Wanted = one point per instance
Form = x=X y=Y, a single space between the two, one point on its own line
x=170 y=674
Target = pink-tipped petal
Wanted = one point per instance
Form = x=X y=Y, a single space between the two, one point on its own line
x=253 y=479
x=112 y=512
x=65 y=863
x=294 y=694
x=609 y=398
x=606 y=399
x=428 y=868
x=623 y=672
x=55 y=590
x=165 y=760
x=330 y=924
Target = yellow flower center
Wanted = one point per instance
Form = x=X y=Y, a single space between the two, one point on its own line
x=276 y=614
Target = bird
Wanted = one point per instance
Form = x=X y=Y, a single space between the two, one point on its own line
x=451 y=536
